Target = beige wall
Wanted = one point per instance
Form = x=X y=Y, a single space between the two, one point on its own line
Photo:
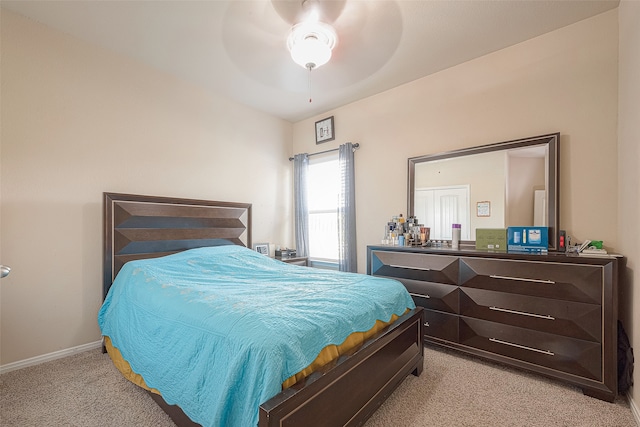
x=79 y=120
x=628 y=177
x=565 y=81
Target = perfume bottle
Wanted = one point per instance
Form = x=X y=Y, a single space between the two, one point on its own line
x=456 y=230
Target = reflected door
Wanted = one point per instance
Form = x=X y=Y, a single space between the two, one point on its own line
x=439 y=208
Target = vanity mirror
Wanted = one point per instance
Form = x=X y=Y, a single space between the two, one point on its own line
x=511 y=183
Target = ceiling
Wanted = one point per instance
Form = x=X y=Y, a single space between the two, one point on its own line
x=238 y=48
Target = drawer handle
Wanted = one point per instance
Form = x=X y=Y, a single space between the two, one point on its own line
x=419 y=295
x=524 y=313
x=409 y=268
x=522 y=279
x=426 y=324
x=547 y=352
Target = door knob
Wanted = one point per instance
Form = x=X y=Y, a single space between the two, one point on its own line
x=4 y=271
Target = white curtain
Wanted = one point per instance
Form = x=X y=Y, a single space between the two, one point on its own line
x=301 y=207
x=347 y=211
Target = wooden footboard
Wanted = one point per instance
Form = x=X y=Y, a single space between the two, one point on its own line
x=349 y=392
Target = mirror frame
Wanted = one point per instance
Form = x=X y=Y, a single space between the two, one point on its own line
x=553 y=167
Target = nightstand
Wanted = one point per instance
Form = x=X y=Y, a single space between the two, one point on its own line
x=296 y=260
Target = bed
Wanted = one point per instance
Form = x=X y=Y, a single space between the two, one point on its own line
x=344 y=391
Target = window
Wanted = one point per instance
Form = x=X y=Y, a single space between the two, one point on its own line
x=324 y=187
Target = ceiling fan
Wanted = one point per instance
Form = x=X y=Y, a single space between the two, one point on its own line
x=311 y=39
x=265 y=40
x=311 y=42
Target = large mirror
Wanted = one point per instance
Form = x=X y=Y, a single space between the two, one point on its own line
x=512 y=183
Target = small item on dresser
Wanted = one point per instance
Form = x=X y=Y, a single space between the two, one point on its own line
x=562 y=241
x=285 y=253
x=528 y=239
x=584 y=245
x=596 y=244
x=491 y=239
x=456 y=230
x=593 y=251
x=425 y=234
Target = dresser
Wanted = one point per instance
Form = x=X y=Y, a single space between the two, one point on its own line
x=553 y=314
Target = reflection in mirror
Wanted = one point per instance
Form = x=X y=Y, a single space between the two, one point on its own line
x=513 y=183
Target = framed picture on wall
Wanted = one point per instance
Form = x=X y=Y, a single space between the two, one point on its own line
x=483 y=208
x=325 y=130
x=262 y=248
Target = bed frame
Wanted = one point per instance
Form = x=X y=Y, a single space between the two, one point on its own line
x=344 y=393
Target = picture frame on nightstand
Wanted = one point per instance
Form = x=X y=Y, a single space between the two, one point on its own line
x=262 y=248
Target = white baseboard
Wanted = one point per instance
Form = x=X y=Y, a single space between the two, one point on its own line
x=32 y=361
x=634 y=410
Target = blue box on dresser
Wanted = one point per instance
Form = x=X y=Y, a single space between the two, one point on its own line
x=528 y=239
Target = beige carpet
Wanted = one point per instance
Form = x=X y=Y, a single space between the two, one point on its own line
x=85 y=390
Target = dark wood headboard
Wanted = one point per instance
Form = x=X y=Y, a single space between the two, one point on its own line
x=137 y=227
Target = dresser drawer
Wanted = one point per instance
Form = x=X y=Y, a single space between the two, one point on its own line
x=563 y=281
x=424 y=267
x=434 y=296
x=440 y=325
x=569 y=355
x=559 y=317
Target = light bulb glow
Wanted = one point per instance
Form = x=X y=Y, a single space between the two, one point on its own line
x=311 y=43
x=310 y=52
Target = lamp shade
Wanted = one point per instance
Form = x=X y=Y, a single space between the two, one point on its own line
x=311 y=43
x=310 y=52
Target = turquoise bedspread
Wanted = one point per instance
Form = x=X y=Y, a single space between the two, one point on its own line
x=217 y=330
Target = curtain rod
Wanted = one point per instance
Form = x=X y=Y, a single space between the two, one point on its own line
x=355 y=147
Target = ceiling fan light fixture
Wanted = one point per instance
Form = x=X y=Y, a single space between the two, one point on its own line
x=311 y=43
